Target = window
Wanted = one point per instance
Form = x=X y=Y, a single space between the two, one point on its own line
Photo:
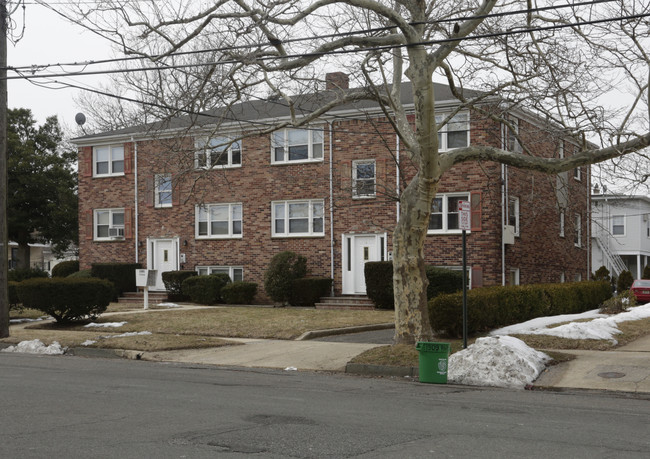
x=236 y=273
x=577 y=277
x=108 y=160
x=577 y=174
x=363 y=178
x=219 y=221
x=511 y=141
x=297 y=145
x=444 y=213
x=577 y=238
x=298 y=218
x=513 y=214
x=513 y=276
x=562 y=277
x=618 y=225
x=561 y=223
x=561 y=150
x=218 y=152
x=454 y=134
x=109 y=224
x=163 y=192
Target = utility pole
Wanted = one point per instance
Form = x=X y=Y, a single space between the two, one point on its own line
x=4 y=239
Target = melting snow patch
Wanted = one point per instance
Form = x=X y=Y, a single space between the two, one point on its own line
x=123 y=335
x=169 y=305
x=22 y=321
x=106 y=324
x=291 y=369
x=501 y=361
x=36 y=346
x=88 y=342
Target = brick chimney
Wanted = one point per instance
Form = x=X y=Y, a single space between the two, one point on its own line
x=337 y=80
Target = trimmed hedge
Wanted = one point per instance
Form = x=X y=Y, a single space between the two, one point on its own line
x=83 y=274
x=65 y=299
x=443 y=281
x=122 y=275
x=173 y=281
x=205 y=289
x=239 y=292
x=309 y=290
x=65 y=268
x=12 y=294
x=282 y=270
x=493 y=307
x=19 y=275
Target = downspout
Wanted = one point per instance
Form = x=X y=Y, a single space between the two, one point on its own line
x=589 y=222
x=135 y=194
x=397 y=146
x=331 y=178
x=504 y=172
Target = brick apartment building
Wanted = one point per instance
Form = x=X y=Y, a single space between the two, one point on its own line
x=187 y=195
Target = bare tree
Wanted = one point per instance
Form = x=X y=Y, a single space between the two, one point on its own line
x=547 y=57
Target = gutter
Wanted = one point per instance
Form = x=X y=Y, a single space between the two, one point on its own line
x=331 y=179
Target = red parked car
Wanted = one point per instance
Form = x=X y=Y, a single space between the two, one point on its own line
x=641 y=290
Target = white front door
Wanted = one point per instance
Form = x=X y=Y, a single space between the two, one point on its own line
x=163 y=257
x=358 y=250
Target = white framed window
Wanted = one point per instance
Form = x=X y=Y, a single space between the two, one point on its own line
x=513 y=276
x=454 y=134
x=577 y=277
x=577 y=237
x=297 y=145
x=513 y=213
x=444 y=213
x=562 y=278
x=561 y=149
x=511 y=133
x=219 y=221
x=577 y=174
x=163 y=190
x=108 y=224
x=108 y=160
x=298 y=218
x=561 y=223
x=618 y=225
x=236 y=273
x=217 y=153
x=364 y=178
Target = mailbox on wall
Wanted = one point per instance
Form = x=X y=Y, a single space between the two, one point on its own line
x=145 y=277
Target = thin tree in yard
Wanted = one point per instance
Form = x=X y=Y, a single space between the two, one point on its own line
x=549 y=58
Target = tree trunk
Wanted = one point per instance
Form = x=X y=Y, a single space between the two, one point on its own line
x=23 y=256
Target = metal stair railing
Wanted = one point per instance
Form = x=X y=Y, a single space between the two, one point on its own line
x=614 y=259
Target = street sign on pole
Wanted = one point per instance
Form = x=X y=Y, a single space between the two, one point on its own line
x=464 y=215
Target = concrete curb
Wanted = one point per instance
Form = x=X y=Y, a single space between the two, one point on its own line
x=381 y=370
x=343 y=331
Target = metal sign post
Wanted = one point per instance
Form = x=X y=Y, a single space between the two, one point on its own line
x=465 y=224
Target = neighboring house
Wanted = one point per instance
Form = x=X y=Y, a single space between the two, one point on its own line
x=187 y=196
x=40 y=257
x=621 y=232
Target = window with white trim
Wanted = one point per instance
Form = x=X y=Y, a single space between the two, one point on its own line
x=512 y=143
x=163 y=191
x=236 y=273
x=561 y=149
x=577 y=237
x=577 y=174
x=444 y=213
x=217 y=153
x=108 y=160
x=108 y=224
x=219 y=221
x=513 y=213
x=298 y=218
x=618 y=225
x=363 y=178
x=454 y=134
x=561 y=223
x=297 y=145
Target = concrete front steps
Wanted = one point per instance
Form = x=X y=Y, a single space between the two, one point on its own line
x=356 y=302
x=138 y=297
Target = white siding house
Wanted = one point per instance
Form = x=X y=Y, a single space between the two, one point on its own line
x=621 y=232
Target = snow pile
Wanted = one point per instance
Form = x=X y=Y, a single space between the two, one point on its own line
x=36 y=346
x=22 y=321
x=123 y=335
x=168 y=305
x=105 y=325
x=501 y=361
x=88 y=342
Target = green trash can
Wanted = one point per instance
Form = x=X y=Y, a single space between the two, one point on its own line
x=433 y=362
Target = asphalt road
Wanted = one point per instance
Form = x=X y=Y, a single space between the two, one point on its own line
x=72 y=407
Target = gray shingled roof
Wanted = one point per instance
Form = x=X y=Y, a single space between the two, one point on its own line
x=254 y=112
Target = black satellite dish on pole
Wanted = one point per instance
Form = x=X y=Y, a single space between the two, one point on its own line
x=80 y=118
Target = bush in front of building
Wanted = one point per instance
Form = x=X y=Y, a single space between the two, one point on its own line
x=646 y=272
x=65 y=268
x=122 y=275
x=282 y=270
x=307 y=291
x=83 y=274
x=67 y=300
x=13 y=295
x=601 y=274
x=19 y=275
x=205 y=289
x=173 y=281
x=493 y=307
x=239 y=292
x=443 y=281
x=624 y=282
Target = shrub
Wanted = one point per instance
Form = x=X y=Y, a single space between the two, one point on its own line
x=494 y=307
x=379 y=283
x=283 y=269
x=601 y=274
x=122 y=275
x=624 y=281
x=618 y=304
x=65 y=268
x=13 y=295
x=239 y=292
x=65 y=299
x=173 y=281
x=308 y=290
x=443 y=281
x=646 y=272
x=83 y=274
x=205 y=289
x=19 y=275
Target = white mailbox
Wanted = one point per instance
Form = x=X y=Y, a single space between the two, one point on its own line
x=145 y=277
